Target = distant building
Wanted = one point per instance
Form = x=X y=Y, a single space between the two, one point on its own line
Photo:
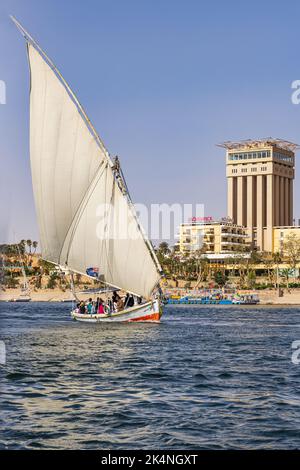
x=217 y=238
x=280 y=237
x=260 y=176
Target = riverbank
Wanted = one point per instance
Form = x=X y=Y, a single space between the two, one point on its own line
x=270 y=297
x=42 y=295
x=267 y=297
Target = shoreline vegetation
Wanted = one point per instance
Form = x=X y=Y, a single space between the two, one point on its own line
x=273 y=277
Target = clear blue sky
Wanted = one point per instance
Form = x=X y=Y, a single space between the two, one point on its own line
x=163 y=81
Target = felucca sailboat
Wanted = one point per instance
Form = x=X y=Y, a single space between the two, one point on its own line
x=87 y=222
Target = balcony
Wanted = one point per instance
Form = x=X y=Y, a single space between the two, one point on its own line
x=232 y=243
x=237 y=235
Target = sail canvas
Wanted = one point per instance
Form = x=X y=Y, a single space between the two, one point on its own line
x=85 y=219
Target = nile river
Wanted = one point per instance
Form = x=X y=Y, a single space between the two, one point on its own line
x=205 y=378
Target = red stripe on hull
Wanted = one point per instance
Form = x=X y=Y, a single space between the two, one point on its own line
x=152 y=317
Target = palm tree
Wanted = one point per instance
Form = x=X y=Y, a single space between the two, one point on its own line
x=277 y=260
x=29 y=244
x=22 y=246
x=163 y=248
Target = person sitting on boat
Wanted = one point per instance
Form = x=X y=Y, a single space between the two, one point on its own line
x=115 y=297
x=101 y=307
x=126 y=300
x=82 y=307
x=120 y=305
x=89 y=306
x=130 y=302
x=110 y=305
x=93 y=309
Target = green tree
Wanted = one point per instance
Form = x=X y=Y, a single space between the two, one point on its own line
x=22 y=247
x=291 y=248
x=220 y=278
x=251 y=279
x=277 y=260
x=287 y=272
x=45 y=266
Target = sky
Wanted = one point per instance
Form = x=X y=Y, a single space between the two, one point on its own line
x=163 y=81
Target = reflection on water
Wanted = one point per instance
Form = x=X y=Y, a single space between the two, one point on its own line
x=205 y=378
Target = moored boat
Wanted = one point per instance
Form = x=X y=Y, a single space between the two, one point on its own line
x=215 y=298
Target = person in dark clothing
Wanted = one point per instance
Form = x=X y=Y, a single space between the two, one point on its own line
x=110 y=305
x=115 y=297
x=130 y=302
x=82 y=307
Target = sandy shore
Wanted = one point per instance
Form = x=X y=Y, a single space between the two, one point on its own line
x=267 y=297
x=270 y=297
x=42 y=295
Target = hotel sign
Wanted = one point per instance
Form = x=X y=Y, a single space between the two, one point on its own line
x=201 y=219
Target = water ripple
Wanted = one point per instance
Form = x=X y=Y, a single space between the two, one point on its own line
x=205 y=378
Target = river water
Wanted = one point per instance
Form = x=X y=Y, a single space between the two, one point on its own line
x=204 y=378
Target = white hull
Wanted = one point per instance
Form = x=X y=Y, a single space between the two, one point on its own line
x=148 y=312
x=21 y=298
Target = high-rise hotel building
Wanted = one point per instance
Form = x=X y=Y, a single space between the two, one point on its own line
x=260 y=176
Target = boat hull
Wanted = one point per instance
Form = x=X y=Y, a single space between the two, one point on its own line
x=20 y=299
x=148 y=312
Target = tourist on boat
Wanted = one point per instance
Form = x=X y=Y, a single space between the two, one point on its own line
x=130 y=302
x=89 y=306
x=101 y=307
x=126 y=300
x=82 y=307
x=93 y=309
x=120 y=305
x=115 y=297
x=110 y=305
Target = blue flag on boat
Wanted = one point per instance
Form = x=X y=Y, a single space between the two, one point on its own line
x=93 y=272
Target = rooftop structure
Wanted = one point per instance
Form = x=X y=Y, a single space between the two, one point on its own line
x=268 y=141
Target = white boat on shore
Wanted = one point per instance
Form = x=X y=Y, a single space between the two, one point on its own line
x=87 y=221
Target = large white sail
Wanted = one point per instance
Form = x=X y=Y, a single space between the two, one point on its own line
x=64 y=156
x=85 y=219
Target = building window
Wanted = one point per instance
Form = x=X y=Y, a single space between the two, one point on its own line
x=282 y=157
x=249 y=155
